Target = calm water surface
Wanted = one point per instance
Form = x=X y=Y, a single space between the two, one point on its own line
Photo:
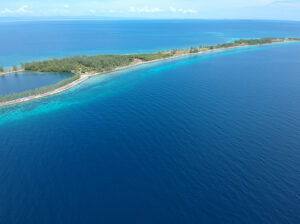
x=207 y=139
x=23 y=81
x=25 y=41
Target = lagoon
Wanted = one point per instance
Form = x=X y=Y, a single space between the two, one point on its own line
x=211 y=138
x=22 y=81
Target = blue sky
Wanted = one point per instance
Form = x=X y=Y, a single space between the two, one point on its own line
x=203 y=9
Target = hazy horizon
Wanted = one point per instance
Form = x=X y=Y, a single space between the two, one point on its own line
x=145 y=9
x=70 y=18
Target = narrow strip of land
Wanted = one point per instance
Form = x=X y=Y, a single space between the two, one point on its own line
x=56 y=91
x=11 y=71
x=86 y=67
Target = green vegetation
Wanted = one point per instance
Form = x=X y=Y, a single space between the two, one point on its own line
x=173 y=52
x=102 y=63
x=295 y=39
x=80 y=64
x=98 y=63
x=15 y=68
x=245 y=42
x=39 y=91
x=150 y=57
x=83 y=64
x=1 y=69
x=194 y=50
x=266 y=40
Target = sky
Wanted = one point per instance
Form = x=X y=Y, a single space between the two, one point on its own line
x=151 y=9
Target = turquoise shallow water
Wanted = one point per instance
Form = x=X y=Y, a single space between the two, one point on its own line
x=211 y=138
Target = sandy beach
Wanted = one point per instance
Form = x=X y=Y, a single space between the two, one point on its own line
x=11 y=72
x=134 y=64
x=85 y=77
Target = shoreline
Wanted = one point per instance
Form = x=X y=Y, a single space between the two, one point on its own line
x=11 y=72
x=84 y=77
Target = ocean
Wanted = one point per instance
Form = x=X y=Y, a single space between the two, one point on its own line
x=212 y=138
x=25 y=41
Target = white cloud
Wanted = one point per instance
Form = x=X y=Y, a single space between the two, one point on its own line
x=158 y=10
x=145 y=10
x=92 y=11
x=111 y=11
x=263 y=3
x=66 y=6
x=179 y=10
x=189 y=11
x=22 y=10
x=6 y=11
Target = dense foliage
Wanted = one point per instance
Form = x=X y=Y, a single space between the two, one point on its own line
x=97 y=63
x=151 y=57
x=80 y=63
x=194 y=50
x=266 y=40
x=296 y=39
x=39 y=91
x=102 y=63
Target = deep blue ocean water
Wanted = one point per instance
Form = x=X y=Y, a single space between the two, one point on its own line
x=23 y=81
x=213 y=138
x=25 y=41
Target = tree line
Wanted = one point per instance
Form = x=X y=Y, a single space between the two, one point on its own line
x=99 y=63
x=102 y=63
x=39 y=90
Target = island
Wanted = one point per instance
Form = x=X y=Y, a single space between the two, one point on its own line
x=84 y=67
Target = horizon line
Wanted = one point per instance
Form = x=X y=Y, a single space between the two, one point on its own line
x=74 y=18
